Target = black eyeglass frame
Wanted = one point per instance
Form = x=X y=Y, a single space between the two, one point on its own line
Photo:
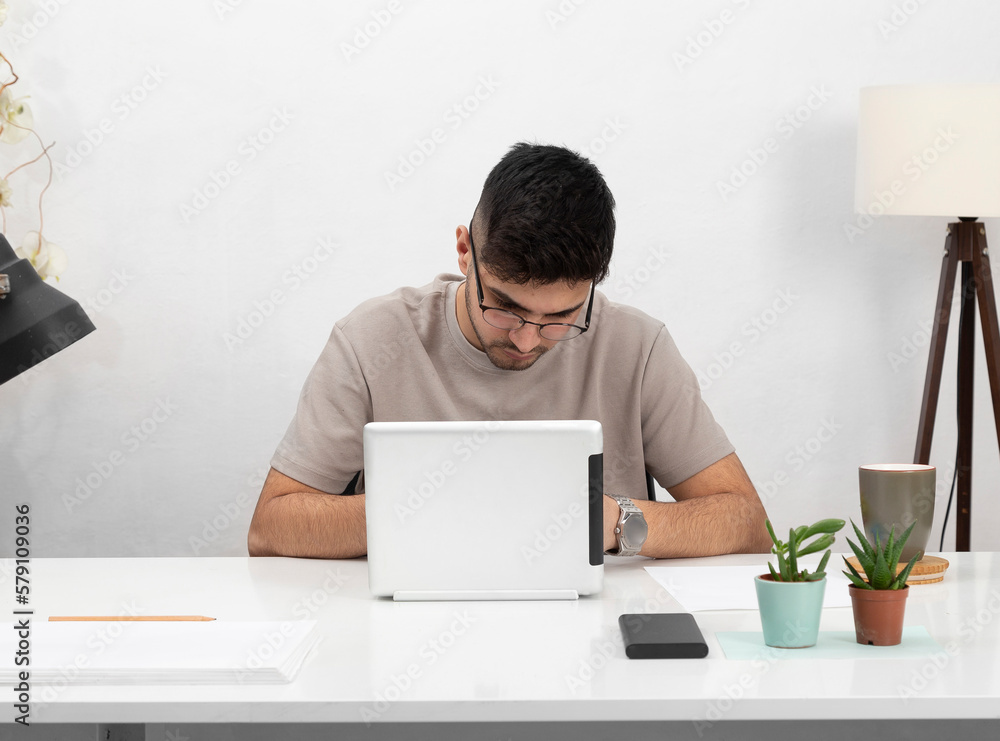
x=541 y=326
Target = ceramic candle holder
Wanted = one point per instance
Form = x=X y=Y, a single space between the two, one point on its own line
x=896 y=495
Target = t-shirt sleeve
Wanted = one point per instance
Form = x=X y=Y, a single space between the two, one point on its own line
x=680 y=434
x=323 y=444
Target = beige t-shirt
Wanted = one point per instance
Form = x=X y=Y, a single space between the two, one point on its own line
x=402 y=357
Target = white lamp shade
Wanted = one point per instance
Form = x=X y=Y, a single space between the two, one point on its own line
x=929 y=150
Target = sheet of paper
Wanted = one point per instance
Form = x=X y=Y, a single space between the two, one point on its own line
x=117 y=652
x=731 y=587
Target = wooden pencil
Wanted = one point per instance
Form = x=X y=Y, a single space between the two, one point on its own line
x=131 y=618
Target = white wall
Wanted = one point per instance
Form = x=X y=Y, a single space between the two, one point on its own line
x=167 y=286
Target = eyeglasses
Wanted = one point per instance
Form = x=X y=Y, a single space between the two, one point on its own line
x=508 y=320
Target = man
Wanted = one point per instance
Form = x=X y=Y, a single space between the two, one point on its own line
x=525 y=335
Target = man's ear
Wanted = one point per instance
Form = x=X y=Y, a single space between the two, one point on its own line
x=463 y=246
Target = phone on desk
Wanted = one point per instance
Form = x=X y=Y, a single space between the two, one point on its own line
x=671 y=635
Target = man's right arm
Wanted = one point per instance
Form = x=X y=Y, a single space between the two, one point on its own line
x=293 y=519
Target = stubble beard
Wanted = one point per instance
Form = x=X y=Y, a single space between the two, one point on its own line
x=495 y=349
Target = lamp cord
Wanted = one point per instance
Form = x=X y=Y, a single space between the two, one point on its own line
x=958 y=418
x=951 y=493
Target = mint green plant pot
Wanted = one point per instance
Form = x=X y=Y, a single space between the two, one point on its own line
x=790 y=611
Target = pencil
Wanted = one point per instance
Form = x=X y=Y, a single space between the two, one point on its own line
x=132 y=618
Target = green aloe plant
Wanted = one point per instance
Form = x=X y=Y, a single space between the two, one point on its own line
x=789 y=553
x=879 y=563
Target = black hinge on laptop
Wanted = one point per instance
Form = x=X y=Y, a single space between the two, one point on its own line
x=596 y=465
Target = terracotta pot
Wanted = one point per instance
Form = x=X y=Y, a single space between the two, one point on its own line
x=878 y=615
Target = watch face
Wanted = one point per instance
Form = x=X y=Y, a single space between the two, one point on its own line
x=635 y=531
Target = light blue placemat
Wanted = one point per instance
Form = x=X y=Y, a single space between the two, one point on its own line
x=831 y=644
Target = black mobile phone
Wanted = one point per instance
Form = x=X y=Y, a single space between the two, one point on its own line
x=660 y=635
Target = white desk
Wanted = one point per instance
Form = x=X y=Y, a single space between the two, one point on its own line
x=532 y=662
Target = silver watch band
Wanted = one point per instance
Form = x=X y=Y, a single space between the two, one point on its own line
x=631 y=529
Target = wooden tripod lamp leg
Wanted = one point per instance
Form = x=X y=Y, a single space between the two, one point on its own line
x=966 y=243
x=988 y=319
x=964 y=391
x=939 y=335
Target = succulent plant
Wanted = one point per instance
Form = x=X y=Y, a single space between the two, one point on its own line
x=879 y=562
x=796 y=547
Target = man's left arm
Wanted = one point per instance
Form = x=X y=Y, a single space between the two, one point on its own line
x=716 y=511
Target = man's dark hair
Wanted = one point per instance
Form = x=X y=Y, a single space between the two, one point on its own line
x=546 y=215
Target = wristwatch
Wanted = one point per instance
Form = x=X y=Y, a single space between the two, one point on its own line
x=631 y=529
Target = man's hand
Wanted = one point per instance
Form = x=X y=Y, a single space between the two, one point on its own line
x=716 y=511
x=611 y=514
x=293 y=519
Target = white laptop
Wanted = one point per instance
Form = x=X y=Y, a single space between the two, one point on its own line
x=484 y=510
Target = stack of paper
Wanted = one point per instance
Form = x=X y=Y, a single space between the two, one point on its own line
x=123 y=652
x=732 y=587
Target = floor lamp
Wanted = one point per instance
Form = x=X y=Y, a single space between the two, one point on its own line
x=934 y=150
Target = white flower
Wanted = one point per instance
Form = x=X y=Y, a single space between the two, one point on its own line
x=3 y=12
x=15 y=118
x=47 y=258
x=5 y=193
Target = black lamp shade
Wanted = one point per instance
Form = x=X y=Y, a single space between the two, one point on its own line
x=36 y=320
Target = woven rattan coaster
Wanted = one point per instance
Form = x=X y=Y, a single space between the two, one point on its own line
x=927 y=570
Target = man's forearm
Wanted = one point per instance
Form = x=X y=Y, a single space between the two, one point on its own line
x=705 y=526
x=310 y=525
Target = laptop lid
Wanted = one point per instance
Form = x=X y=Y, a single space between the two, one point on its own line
x=484 y=510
